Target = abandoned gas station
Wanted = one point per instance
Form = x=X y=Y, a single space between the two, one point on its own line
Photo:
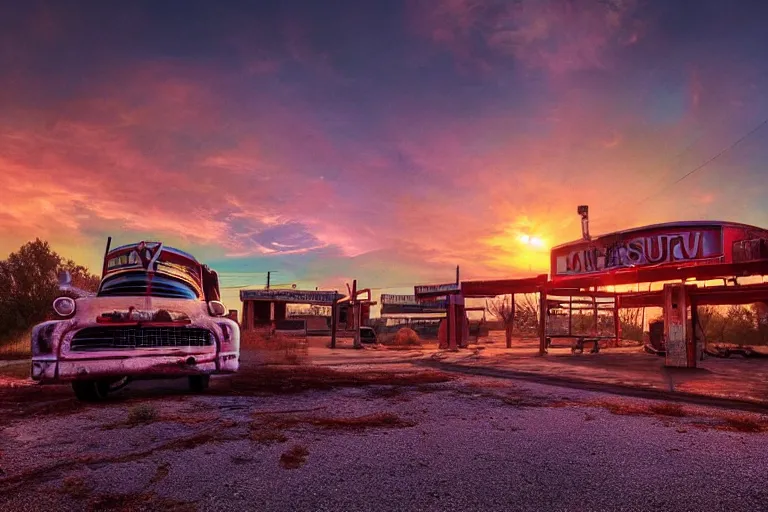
x=680 y=256
x=263 y=308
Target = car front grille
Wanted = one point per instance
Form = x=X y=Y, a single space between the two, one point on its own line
x=127 y=338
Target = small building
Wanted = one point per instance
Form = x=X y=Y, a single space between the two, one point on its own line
x=262 y=307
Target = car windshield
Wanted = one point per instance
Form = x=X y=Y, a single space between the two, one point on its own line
x=141 y=284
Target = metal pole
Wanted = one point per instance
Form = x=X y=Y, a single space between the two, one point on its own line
x=106 y=251
x=594 y=308
x=542 y=321
x=448 y=318
x=355 y=316
x=616 y=318
x=693 y=352
x=334 y=323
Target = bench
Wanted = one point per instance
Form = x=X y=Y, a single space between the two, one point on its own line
x=578 y=345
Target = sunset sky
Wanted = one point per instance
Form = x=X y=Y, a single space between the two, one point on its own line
x=387 y=141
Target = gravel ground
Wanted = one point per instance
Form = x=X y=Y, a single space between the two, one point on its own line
x=474 y=443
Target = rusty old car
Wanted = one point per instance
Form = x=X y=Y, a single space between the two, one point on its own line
x=157 y=314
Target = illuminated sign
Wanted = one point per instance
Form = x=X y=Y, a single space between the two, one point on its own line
x=654 y=247
x=294 y=296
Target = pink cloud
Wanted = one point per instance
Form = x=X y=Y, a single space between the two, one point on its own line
x=556 y=35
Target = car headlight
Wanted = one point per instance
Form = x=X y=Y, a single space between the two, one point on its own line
x=64 y=306
x=216 y=308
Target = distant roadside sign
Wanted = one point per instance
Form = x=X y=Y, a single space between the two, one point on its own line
x=407 y=304
x=436 y=290
x=293 y=296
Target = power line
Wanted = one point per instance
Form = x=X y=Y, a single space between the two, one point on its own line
x=726 y=150
x=707 y=162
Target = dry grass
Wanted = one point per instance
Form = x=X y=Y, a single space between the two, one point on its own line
x=276 y=349
x=266 y=435
x=631 y=409
x=138 y=501
x=269 y=428
x=161 y=473
x=16 y=371
x=667 y=409
x=403 y=348
x=142 y=414
x=742 y=423
x=489 y=384
x=17 y=347
x=377 y=420
x=406 y=337
x=515 y=398
x=75 y=487
x=295 y=457
x=277 y=380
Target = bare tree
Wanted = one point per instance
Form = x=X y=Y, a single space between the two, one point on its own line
x=630 y=320
x=504 y=309
x=527 y=317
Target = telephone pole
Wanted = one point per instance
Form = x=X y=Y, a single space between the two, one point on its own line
x=269 y=274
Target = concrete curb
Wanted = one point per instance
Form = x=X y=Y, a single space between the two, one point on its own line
x=602 y=387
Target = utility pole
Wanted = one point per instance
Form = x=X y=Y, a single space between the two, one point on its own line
x=269 y=275
x=355 y=315
x=334 y=315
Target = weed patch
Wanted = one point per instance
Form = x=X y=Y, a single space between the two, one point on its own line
x=138 y=501
x=160 y=473
x=267 y=429
x=75 y=487
x=295 y=457
x=378 y=420
x=675 y=410
x=142 y=413
x=633 y=409
x=742 y=424
x=285 y=380
x=267 y=436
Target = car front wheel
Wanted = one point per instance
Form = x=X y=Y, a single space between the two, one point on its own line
x=199 y=383
x=90 y=390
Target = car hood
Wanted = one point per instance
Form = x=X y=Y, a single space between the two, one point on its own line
x=139 y=309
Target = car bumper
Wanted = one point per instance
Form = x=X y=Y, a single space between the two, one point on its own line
x=52 y=370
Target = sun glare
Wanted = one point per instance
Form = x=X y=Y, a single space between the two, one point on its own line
x=532 y=241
